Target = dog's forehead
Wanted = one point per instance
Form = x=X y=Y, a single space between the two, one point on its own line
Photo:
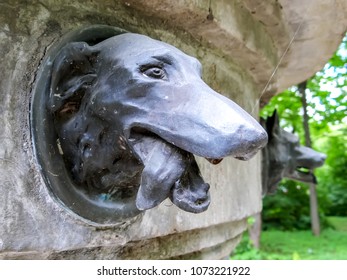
x=292 y=138
x=137 y=46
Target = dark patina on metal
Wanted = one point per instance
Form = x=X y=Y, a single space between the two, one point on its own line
x=284 y=157
x=117 y=120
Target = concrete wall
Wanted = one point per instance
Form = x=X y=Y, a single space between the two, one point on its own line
x=239 y=44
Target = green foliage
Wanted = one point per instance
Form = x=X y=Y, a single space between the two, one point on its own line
x=332 y=176
x=326 y=98
x=289 y=108
x=294 y=245
x=246 y=251
x=338 y=223
x=289 y=208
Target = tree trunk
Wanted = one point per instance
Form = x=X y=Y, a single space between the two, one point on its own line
x=254 y=230
x=315 y=224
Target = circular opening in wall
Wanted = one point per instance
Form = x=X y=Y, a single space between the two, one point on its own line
x=99 y=206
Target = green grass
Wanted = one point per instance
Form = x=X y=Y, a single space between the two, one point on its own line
x=339 y=223
x=285 y=245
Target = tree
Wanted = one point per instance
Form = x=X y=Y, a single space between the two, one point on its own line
x=315 y=225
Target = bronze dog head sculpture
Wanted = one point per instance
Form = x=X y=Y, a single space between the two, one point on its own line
x=284 y=157
x=130 y=112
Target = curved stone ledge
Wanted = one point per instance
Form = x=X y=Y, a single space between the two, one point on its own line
x=204 y=243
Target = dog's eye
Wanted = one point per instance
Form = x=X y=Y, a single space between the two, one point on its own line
x=154 y=72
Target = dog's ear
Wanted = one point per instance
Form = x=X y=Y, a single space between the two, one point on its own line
x=272 y=124
x=262 y=122
x=73 y=72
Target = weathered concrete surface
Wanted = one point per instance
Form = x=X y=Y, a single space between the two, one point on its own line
x=320 y=28
x=239 y=43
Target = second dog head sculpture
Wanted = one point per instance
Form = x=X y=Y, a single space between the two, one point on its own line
x=284 y=157
x=131 y=111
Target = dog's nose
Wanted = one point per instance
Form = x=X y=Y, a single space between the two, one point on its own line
x=251 y=142
x=242 y=141
x=323 y=157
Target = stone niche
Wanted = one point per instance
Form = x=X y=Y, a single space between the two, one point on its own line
x=239 y=43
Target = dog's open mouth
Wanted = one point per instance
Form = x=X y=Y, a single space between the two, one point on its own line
x=168 y=172
x=303 y=174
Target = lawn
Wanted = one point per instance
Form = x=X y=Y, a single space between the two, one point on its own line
x=339 y=223
x=289 y=245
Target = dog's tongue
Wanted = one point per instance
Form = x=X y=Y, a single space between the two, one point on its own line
x=164 y=164
x=169 y=172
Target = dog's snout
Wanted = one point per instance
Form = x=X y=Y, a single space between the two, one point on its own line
x=309 y=158
x=323 y=157
x=205 y=123
x=320 y=159
x=251 y=140
x=206 y=187
x=232 y=131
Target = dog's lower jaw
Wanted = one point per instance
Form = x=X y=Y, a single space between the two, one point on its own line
x=299 y=175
